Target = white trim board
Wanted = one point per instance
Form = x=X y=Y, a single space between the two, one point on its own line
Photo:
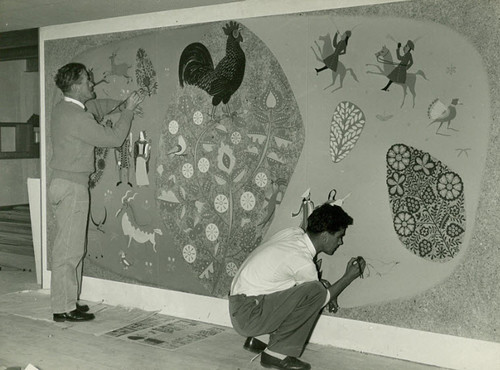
x=405 y=344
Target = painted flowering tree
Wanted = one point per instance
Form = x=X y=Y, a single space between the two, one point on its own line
x=220 y=179
x=427 y=203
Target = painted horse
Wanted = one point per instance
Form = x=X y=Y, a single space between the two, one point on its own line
x=327 y=50
x=384 y=57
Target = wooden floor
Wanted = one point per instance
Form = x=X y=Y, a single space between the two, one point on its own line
x=46 y=346
x=25 y=341
x=16 y=241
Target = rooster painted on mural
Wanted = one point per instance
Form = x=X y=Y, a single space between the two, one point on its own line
x=196 y=67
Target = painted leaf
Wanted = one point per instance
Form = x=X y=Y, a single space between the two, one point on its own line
x=427 y=203
x=346 y=127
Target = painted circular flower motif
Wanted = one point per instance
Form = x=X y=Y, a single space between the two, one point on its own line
x=247 y=201
x=261 y=179
x=189 y=253
x=187 y=170
x=404 y=223
x=449 y=186
x=398 y=157
x=424 y=164
x=203 y=165
x=212 y=232
x=198 y=118
x=231 y=269
x=395 y=184
x=173 y=127
x=221 y=203
x=236 y=138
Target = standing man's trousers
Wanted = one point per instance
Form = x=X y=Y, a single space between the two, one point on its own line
x=70 y=204
x=288 y=316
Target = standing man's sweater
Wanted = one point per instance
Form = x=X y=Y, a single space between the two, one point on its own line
x=76 y=132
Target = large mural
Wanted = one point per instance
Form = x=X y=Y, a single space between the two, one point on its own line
x=247 y=124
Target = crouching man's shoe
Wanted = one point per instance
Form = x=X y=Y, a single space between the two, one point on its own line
x=254 y=345
x=74 y=315
x=288 y=363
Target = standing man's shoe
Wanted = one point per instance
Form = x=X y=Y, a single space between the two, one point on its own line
x=288 y=363
x=74 y=315
x=254 y=345
x=82 y=307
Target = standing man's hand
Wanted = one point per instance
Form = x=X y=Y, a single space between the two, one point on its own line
x=133 y=101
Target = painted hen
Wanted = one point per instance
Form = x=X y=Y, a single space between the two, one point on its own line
x=197 y=68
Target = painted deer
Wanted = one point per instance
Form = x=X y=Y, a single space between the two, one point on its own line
x=120 y=70
x=129 y=222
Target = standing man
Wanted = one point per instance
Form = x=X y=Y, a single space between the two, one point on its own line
x=277 y=291
x=75 y=132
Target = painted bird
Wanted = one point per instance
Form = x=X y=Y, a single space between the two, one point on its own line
x=196 y=67
x=439 y=112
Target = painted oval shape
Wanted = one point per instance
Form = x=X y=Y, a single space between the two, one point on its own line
x=427 y=203
x=250 y=147
x=347 y=124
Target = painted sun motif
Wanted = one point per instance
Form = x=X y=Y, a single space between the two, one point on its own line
x=212 y=232
x=189 y=253
x=247 y=201
x=221 y=203
x=187 y=170
x=198 y=118
x=261 y=180
x=236 y=137
x=231 y=269
x=203 y=165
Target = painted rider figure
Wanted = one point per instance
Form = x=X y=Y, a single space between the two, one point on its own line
x=398 y=75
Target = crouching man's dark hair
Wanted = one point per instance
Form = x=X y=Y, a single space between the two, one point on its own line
x=329 y=218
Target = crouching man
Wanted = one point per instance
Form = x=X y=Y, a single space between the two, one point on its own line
x=277 y=290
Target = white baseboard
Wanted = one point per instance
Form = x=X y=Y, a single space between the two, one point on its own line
x=405 y=344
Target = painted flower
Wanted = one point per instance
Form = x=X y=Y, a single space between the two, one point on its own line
x=221 y=203
x=247 y=201
x=231 y=269
x=187 y=170
x=189 y=253
x=424 y=164
x=412 y=204
x=424 y=248
x=441 y=252
x=395 y=184
x=261 y=179
x=236 y=138
x=203 y=165
x=198 y=118
x=398 y=157
x=450 y=186
x=212 y=232
x=404 y=223
x=226 y=159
